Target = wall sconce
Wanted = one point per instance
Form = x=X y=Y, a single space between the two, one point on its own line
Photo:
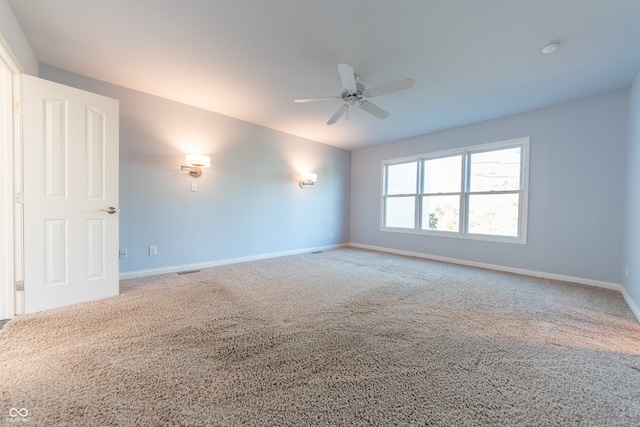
x=195 y=162
x=307 y=179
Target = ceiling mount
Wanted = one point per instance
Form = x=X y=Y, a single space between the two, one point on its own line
x=354 y=92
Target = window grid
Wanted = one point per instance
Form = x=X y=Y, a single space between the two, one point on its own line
x=464 y=195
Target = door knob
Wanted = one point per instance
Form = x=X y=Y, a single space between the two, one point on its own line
x=111 y=210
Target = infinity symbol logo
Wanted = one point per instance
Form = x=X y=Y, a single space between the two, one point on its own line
x=13 y=412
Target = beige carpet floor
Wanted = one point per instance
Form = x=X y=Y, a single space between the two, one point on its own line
x=343 y=338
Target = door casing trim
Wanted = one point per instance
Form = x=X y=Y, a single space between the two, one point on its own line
x=11 y=301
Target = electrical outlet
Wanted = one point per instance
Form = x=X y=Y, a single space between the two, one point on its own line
x=153 y=250
x=123 y=254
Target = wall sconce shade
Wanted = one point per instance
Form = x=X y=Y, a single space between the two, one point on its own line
x=198 y=160
x=195 y=162
x=307 y=179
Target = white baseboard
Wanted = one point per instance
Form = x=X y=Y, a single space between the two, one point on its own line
x=533 y=273
x=207 y=264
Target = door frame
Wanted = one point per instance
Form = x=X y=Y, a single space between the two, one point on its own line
x=11 y=220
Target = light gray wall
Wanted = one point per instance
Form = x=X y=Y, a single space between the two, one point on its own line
x=247 y=204
x=15 y=40
x=632 y=199
x=576 y=191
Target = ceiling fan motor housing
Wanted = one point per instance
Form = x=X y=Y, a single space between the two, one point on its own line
x=353 y=98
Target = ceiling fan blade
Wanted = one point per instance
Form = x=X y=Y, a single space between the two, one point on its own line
x=389 y=87
x=372 y=108
x=319 y=99
x=338 y=114
x=347 y=77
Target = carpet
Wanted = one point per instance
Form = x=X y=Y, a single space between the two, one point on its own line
x=345 y=337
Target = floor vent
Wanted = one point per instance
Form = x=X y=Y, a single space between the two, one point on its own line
x=189 y=272
x=316 y=252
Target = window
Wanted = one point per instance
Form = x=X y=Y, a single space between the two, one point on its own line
x=401 y=195
x=475 y=192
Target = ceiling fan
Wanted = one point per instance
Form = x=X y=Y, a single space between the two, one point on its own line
x=354 y=92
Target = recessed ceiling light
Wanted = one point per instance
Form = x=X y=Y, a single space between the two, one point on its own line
x=551 y=47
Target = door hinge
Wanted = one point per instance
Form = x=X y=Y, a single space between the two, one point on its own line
x=19 y=286
x=19 y=198
x=17 y=108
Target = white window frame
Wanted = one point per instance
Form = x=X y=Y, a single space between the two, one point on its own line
x=465 y=152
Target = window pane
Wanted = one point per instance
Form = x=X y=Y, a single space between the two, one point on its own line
x=441 y=213
x=400 y=212
x=497 y=170
x=494 y=214
x=442 y=175
x=402 y=178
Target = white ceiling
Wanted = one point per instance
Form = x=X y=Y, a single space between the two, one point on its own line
x=471 y=60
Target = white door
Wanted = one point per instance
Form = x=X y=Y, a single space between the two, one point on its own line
x=71 y=146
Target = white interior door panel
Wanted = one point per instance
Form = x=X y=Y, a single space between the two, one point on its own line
x=71 y=151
